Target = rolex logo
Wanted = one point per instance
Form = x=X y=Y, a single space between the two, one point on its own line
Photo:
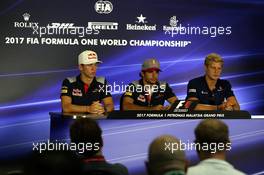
x=173 y=21
x=26 y=16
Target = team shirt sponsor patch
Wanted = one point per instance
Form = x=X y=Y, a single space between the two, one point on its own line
x=77 y=92
x=192 y=90
x=141 y=98
x=64 y=89
x=128 y=93
x=204 y=92
x=96 y=90
x=220 y=89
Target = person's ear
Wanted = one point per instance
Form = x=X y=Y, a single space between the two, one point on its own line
x=197 y=149
x=147 y=167
x=102 y=141
x=187 y=163
x=80 y=67
x=142 y=74
x=205 y=68
x=228 y=143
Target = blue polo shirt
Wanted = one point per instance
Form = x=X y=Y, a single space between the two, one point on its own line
x=198 y=88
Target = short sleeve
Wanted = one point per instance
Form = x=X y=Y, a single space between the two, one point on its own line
x=228 y=90
x=192 y=90
x=66 y=88
x=130 y=91
x=106 y=92
x=168 y=92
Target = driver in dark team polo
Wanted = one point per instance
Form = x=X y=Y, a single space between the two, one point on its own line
x=148 y=93
x=84 y=93
x=211 y=92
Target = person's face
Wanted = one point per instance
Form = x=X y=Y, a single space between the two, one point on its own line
x=151 y=77
x=213 y=70
x=88 y=70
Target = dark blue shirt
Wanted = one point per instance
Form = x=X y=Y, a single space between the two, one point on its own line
x=74 y=87
x=137 y=93
x=198 y=88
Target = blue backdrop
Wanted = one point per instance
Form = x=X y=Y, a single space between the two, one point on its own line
x=31 y=72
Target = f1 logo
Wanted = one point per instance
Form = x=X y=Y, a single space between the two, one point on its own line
x=180 y=104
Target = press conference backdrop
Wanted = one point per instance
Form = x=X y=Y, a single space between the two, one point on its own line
x=40 y=42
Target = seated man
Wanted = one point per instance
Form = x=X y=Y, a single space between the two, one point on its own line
x=212 y=142
x=148 y=93
x=87 y=132
x=52 y=163
x=85 y=92
x=210 y=91
x=164 y=161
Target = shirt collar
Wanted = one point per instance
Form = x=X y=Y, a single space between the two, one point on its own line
x=216 y=161
x=217 y=85
x=80 y=81
x=97 y=158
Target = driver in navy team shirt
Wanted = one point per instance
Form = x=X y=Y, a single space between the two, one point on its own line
x=148 y=93
x=86 y=93
x=209 y=91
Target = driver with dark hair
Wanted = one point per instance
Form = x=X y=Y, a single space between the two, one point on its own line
x=148 y=93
